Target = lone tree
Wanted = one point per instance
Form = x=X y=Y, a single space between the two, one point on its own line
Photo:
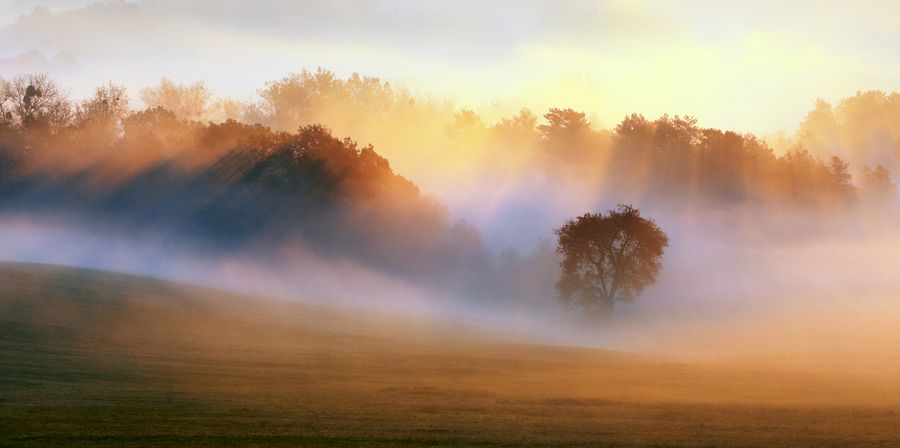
x=608 y=258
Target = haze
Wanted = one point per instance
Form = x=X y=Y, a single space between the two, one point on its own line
x=747 y=66
x=491 y=223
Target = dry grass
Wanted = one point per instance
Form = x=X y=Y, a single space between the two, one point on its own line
x=97 y=359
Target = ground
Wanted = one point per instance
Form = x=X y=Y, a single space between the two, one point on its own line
x=97 y=359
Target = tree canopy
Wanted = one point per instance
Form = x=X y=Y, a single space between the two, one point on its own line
x=238 y=172
x=609 y=258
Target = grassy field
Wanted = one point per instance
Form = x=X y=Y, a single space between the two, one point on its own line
x=97 y=359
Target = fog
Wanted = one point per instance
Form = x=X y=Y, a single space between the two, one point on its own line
x=810 y=296
x=292 y=274
x=486 y=134
x=467 y=222
x=732 y=289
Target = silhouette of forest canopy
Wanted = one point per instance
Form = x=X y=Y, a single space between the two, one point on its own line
x=235 y=175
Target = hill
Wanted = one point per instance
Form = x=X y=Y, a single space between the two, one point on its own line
x=101 y=359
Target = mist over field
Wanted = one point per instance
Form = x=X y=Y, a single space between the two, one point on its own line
x=740 y=282
x=728 y=292
x=406 y=223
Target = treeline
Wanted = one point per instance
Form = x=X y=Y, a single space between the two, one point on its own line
x=232 y=176
x=259 y=192
x=674 y=161
x=839 y=155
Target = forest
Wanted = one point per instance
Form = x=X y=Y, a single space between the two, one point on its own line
x=319 y=162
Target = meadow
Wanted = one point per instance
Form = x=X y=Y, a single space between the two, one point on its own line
x=90 y=358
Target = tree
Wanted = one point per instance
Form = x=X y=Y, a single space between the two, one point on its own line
x=564 y=125
x=100 y=117
x=608 y=258
x=225 y=109
x=840 y=178
x=107 y=107
x=34 y=102
x=876 y=184
x=466 y=127
x=819 y=130
x=187 y=101
x=570 y=146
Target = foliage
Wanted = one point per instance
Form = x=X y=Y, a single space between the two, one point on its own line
x=876 y=184
x=101 y=115
x=236 y=175
x=863 y=129
x=187 y=101
x=608 y=258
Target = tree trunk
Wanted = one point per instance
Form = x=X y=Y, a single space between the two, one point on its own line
x=601 y=310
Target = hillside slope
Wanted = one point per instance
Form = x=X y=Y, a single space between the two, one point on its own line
x=101 y=359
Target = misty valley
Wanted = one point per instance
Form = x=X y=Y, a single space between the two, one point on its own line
x=321 y=257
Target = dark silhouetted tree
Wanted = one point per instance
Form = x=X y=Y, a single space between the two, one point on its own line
x=34 y=102
x=608 y=258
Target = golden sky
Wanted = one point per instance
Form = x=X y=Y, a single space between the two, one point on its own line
x=752 y=66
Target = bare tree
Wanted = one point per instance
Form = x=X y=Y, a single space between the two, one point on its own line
x=224 y=109
x=187 y=101
x=108 y=105
x=34 y=101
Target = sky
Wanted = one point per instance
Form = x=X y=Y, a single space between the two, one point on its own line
x=755 y=66
x=749 y=66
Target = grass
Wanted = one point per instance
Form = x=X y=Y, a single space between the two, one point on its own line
x=96 y=359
